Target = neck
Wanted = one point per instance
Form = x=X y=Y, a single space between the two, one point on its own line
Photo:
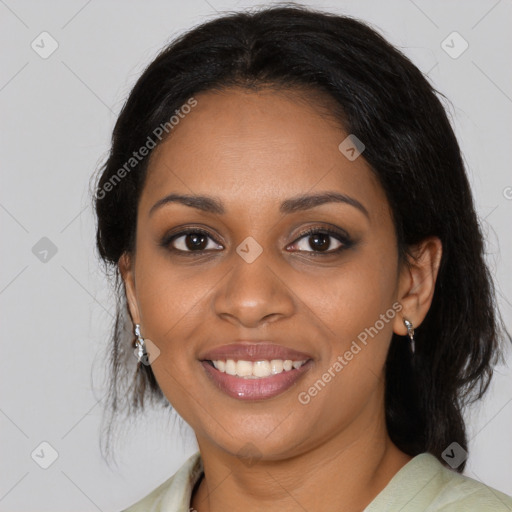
x=344 y=473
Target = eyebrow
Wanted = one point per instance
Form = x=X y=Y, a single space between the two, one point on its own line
x=294 y=204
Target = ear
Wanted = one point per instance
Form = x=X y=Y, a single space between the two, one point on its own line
x=126 y=269
x=417 y=282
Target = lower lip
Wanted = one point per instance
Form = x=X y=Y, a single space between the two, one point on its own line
x=255 y=389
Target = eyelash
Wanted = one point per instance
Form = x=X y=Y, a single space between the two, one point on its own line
x=343 y=238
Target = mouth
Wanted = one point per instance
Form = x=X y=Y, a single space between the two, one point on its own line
x=255 y=380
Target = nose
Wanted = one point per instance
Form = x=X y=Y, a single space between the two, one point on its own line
x=254 y=293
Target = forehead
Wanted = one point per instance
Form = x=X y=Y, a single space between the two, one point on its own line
x=250 y=148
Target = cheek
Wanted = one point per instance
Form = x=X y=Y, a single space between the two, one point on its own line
x=170 y=298
x=354 y=309
x=350 y=299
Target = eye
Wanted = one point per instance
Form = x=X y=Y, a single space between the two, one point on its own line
x=191 y=240
x=326 y=241
x=322 y=241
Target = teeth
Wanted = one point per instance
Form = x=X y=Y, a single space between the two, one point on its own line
x=230 y=367
x=276 y=366
x=244 y=368
x=256 y=369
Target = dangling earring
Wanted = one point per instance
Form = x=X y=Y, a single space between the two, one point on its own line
x=410 y=333
x=141 y=346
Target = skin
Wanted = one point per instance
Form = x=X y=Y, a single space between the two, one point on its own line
x=253 y=150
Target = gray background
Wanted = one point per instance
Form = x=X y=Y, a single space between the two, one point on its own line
x=57 y=114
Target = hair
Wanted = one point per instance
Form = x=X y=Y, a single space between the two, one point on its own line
x=387 y=103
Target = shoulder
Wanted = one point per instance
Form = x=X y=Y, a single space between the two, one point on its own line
x=458 y=492
x=174 y=494
x=426 y=485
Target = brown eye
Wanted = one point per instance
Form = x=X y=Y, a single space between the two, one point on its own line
x=193 y=241
x=321 y=241
x=196 y=241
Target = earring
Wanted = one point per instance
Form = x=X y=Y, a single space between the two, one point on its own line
x=141 y=346
x=410 y=333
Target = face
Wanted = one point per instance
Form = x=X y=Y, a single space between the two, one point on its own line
x=252 y=265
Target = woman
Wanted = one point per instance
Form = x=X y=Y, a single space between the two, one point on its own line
x=287 y=206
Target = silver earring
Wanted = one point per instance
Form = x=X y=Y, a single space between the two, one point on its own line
x=141 y=346
x=410 y=333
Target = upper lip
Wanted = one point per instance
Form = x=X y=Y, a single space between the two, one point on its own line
x=250 y=351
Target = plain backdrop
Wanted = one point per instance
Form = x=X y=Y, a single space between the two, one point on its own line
x=57 y=114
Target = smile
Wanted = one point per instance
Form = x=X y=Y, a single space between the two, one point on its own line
x=255 y=380
x=256 y=369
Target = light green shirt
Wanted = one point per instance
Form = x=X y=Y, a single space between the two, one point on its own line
x=423 y=484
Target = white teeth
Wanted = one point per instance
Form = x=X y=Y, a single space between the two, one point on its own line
x=256 y=369
x=276 y=366
x=261 y=369
x=230 y=367
x=244 y=368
